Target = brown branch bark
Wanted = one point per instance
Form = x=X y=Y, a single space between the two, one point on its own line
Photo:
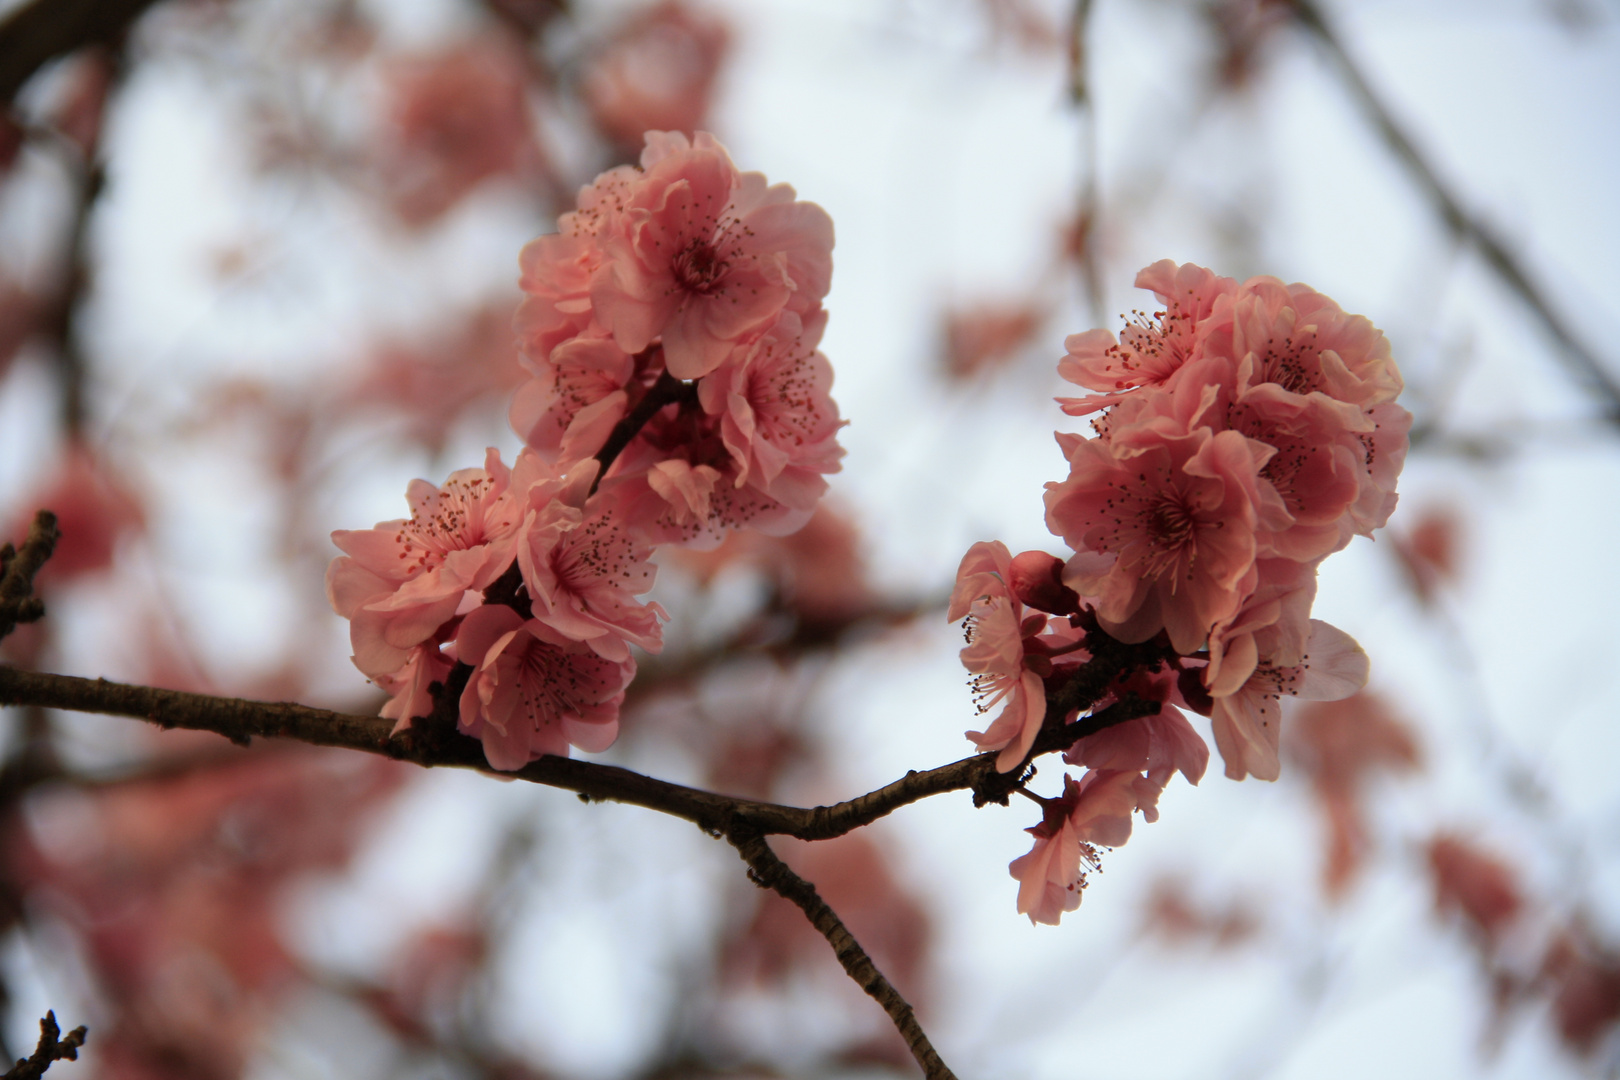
x=50 y=1050
x=1465 y=226
x=43 y=30
x=18 y=604
x=769 y=872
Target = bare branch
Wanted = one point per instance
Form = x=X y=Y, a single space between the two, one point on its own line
x=769 y=872
x=18 y=604
x=1465 y=226
x=50 y=1050
x=43 y=30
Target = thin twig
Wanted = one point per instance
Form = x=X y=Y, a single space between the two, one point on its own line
x=50 y=1050
x=1467 y=227
x=769 y=872
x=18 y=604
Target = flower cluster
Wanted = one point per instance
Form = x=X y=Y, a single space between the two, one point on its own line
x=683 y=269
x=1245 y=432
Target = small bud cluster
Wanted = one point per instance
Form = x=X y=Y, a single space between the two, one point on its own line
x=1245 y=432
x=670 y=327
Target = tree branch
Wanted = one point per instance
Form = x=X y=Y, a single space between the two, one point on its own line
x=1580 y=359
x=767 y=871
x=50 y=1050
x=18 y=604
x=43 y=30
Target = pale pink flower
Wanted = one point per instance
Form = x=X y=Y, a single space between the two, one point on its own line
x=1154 y=347
x=410 y=688
x=995 y=629
x=1095 y=811
x=1162 y=518
x=579 y=393
x=1304 y=343
x=704 y=256
x=1274 y=624
x=1247 y=722
x=557 y=268
x=656 y=73
x=402 y=580
x=777 y=416
x=581 y=574
x=1160 y=745
x=534 y=691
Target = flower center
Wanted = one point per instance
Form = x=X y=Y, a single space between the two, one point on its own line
x=700 y=269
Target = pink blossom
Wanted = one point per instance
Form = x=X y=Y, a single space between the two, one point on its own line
x=1159 y=745
x=1095 y=811
x=461 y=116
x=656 y=73
x=582 y=573
x=1304 y=343
x=1273 y=624
x=1248 y=722
x=579 y=393
x=777 y=416
x=402 y=580
x=1162 y=517
x=409 y=689
x=534 y=691
x=1154 y=347
x=996 y=628
x=704 y=256
x=557 y=268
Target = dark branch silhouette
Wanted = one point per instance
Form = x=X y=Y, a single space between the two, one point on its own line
x=18 y=604
x=51 y=1049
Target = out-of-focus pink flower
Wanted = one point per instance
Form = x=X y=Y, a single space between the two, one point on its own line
x=1153 y=348
x=1586 y=988
x=535 y=691
x=996 y=628
x=1428 y=551
x=1095 y=811
x=704 y=256
x=1341 y=745
x=460 y=117
x=94 y=510
x=656 y=73
x=402 y=580
x=1247 y=723
x=777 y=416
x=1474 y=884
x=984 y=336
x=431 y=385
x=1173 y=913
x=1162 y=517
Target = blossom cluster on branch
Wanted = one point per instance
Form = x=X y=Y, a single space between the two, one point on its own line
x=1244 y=433
x=670 y=328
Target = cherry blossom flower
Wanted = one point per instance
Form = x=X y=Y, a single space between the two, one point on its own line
x=1153 y=348
x=579 y=393
x=534 y=691
x=410 y=688
x=703 y=256
x=1162 y=517
x=996 y=628
x=777 y=416
x=402 y=580
x=581 y=573
x=1095 y=811
x=1247 y=722
x=1159 y=745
